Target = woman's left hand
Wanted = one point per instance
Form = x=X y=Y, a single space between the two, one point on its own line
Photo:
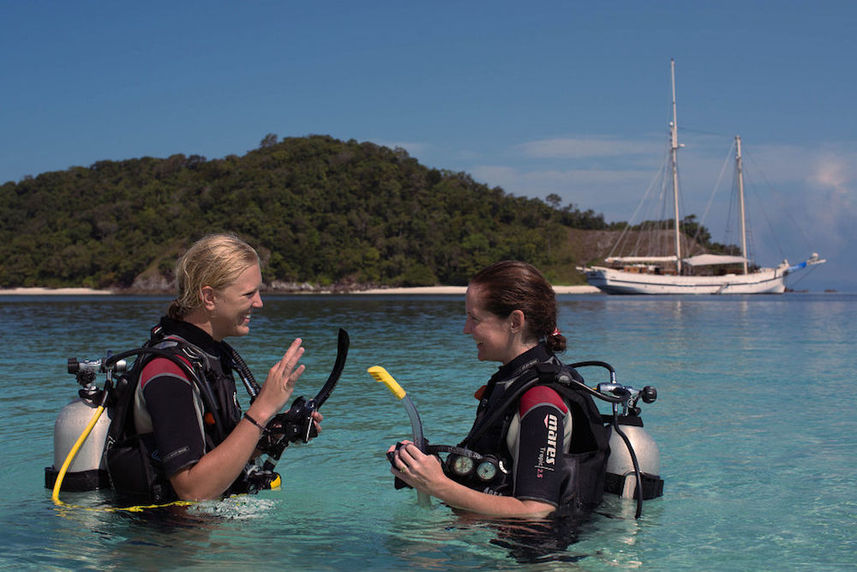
x=317 y=418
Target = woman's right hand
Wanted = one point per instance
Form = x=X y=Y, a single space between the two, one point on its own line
x=421 y=471
x=279 y=384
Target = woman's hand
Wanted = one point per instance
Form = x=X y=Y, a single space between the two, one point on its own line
x=421 y=471
x=425 y=473
x=220 y=467
x=317 y=418
x=279 y=385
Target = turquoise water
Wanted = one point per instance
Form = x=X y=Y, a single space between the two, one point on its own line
x=754 y=419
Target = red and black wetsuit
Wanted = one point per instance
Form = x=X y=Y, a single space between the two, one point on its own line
x=550 y=438
x=184 y=418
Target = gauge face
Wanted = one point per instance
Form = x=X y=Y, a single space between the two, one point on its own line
x=462 y=465
x=486 y=471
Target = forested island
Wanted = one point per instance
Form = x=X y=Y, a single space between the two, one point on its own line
x=324 y=214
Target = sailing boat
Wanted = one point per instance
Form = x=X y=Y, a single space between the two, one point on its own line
x=700 y=274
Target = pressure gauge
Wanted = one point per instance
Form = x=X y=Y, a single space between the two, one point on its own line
x=462 y=465
x=486 y=471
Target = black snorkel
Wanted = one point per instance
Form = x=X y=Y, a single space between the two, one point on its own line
x=296 y=424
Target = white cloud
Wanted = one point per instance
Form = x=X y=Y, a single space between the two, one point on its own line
x=580 y=147
x=835 y=172
x=832 y=202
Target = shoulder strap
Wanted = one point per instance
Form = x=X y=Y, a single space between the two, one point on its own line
x=126 y=386
x=541 y=373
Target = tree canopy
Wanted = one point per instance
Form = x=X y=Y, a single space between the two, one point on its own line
x=319 y=211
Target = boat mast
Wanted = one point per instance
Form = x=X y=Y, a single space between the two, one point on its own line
x=740 y=169
x=674 y=160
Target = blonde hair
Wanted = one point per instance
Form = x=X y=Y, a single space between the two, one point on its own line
x=216 y=260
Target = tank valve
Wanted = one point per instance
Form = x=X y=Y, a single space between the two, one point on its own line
x=649 y=394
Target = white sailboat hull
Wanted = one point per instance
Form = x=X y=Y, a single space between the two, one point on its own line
x=613 y=281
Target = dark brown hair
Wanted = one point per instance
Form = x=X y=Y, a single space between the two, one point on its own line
x=512 y=285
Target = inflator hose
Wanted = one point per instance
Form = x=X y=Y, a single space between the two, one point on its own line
x=244 y=372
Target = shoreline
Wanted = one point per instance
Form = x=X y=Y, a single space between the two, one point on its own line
x=54 y=292
x=585 y=289
x=427 y=290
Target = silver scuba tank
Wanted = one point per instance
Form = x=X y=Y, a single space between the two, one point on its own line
x=629 y=441
x=87 y=471
x=621 y=477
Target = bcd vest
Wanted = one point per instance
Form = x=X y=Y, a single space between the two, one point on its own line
x=131 y=457
x=582 y=466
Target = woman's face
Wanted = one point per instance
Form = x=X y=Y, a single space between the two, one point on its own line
x=234 y=304
x=493 y=335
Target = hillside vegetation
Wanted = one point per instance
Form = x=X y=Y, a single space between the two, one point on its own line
x=323 y=213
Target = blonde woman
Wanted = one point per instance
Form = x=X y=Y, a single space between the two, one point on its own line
x=194 y=439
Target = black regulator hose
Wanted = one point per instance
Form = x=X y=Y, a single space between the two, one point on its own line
x=244 y=372
x=595 y=392
x=637 y=475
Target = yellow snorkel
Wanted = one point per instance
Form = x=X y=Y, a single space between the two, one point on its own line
x=381 y=374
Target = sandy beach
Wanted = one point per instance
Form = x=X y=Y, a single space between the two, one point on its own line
x=416 y=290
x=52 y=292
x=461 y=289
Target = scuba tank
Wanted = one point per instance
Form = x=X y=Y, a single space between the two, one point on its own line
x=634 y=463
x=620 y=466
x=87 y=470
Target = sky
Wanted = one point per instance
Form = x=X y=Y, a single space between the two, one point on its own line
x=538 y=98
